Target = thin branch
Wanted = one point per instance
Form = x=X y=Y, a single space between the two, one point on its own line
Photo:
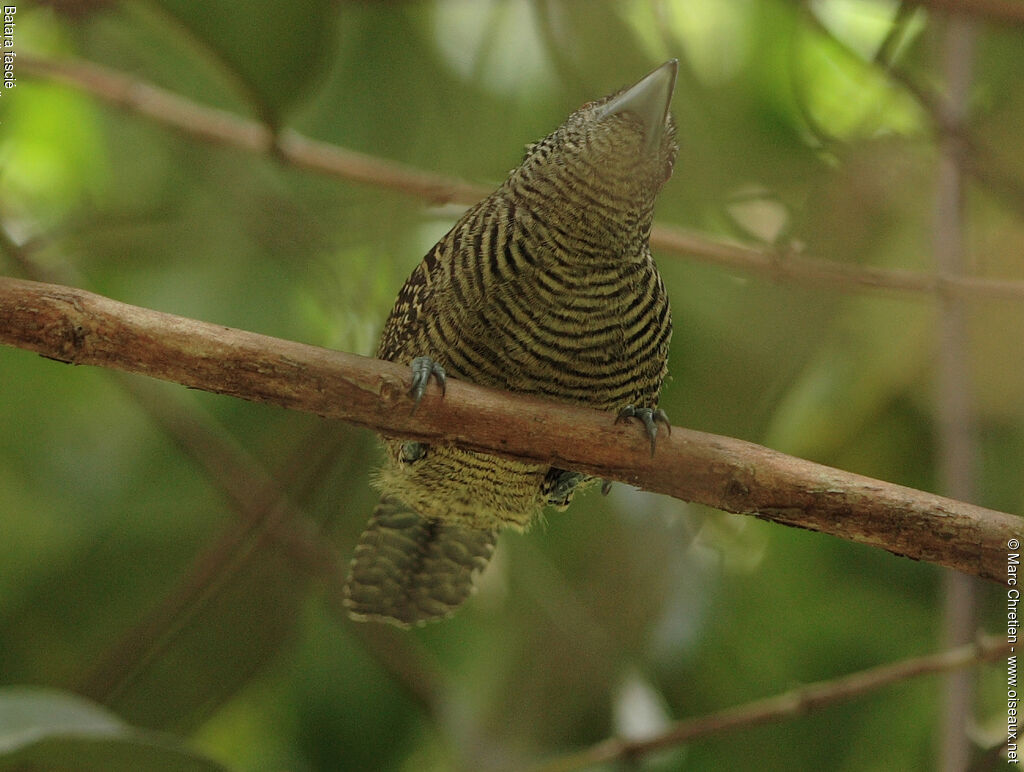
x=71 y=325
x=1010 y=12
x=791 y=704
x=224 y=128
x=999 y=11
x=792 y=265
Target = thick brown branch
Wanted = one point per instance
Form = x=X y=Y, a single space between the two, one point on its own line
x=794 y=703
x=79 y=327
x=221 y=127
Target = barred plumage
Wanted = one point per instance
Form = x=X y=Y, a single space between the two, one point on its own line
x=545 y=287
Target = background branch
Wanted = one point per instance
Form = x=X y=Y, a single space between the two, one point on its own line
x=221 y=127
x=999 y=11
x=79 y=327
x=795 y=702
x=957 y=432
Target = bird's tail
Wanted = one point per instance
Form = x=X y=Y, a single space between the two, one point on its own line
x=408 y=569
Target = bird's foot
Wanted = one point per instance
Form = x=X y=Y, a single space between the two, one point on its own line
x=649 y=417
x=563 y=485
x=413 y=451
x=423 y=368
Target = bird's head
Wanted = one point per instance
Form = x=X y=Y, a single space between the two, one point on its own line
x=611 y=157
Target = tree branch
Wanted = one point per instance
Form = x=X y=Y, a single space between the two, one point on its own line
x=224 y=128
x=221 y=127
x=71 y=325
x=811 y=271
x=795 y=702
x=999 y=11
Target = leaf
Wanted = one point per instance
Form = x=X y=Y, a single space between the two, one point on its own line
x=45 y=729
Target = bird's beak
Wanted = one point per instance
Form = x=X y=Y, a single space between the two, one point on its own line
x=648 y=100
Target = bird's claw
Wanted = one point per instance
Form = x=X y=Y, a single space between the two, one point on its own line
x=649 y=417
x=422 y=370
x=563 y=487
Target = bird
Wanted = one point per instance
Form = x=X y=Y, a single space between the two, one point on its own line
x=546 y=287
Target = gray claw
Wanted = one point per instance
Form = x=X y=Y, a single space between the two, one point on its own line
x=649 y=417
x=662 y=417
x=422 y=370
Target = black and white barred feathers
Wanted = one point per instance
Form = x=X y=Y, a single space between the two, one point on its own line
x=546 y=287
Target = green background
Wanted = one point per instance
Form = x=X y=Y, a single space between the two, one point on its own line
x=130 y=569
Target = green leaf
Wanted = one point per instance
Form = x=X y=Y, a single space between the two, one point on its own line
x=45 y=729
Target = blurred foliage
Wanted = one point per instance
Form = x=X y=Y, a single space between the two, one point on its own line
x=146 y=560
x=48 y=729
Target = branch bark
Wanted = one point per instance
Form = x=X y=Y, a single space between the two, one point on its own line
x=79 y=327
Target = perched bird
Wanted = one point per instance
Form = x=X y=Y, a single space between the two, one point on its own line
x=545 y=287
